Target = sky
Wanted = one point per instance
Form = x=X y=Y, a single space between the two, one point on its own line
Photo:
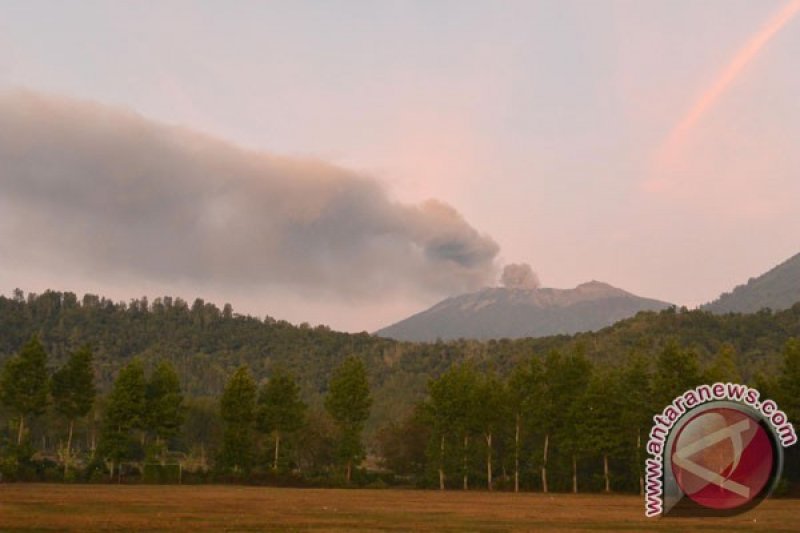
x=352 y=162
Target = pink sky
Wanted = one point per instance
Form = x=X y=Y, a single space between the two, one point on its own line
x=651 y=145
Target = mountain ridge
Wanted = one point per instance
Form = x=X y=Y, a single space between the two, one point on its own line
x=497 y=312
x=776 y=289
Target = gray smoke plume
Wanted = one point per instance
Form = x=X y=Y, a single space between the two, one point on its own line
x=113 y=194
x=519 y=276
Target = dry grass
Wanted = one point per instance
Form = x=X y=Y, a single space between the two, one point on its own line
x=230 y=508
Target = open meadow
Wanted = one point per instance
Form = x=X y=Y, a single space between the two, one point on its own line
x=235 y=508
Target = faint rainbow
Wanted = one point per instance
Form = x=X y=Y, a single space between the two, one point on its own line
x=742 y=58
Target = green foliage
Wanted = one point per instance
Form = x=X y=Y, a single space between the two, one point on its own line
x=596 y=420
x=677 y=370
x=72 y=385
x=402 y=445
x=565 y=379
x=238 y=410
x=348 y=401
x=788 y=381
x=452 y=400
x=723 y=369
x=490 y=404
x=23 y=383
x=280 y=409
x=526 y=388
x=164 y=402
x=463 y=388
x=279 y=405
x=125 y=412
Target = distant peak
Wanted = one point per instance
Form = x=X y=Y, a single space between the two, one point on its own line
x=594 y=284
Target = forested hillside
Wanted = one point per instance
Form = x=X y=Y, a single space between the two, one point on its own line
x=777 y=289
x=229 y=395
x=206 y=344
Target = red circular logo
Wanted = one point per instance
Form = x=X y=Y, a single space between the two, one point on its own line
x=722 y=458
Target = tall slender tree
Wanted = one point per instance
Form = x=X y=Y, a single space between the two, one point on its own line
x=280 y=409
x=723 y=368
x=164 y=408
x=24 y=385
x=348 y=402
x=596 y=419
x=637 y=408
x=525 y=395
x=441 y=408
x=489 y=414
x=677 y=370
x=566 y=377
x=126 y=411
x=788 y=382
x=453 y=398
x=238 y=410
x=73 y=390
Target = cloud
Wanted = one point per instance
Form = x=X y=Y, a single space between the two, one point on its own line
x=519 y=276
x=112 y=194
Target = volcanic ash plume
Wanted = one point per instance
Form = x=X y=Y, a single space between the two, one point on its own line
x=519 y=276
x=105 y=191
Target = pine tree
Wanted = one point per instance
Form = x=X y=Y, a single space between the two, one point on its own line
x=723 y=368
x=238 y=410
x=637 y=407
x=788 y=382
x=677 y=370
x=440 y=410
x=164 y=403
x=566 y=377
x=453 y=406
x=348 y=402
x=595 y=419
x=73 y=390
x=489 y=413
x=126 y=411
x=280 y=409
x=24 y=385
x=525 y=396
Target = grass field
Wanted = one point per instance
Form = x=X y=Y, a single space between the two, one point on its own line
x=231 y=508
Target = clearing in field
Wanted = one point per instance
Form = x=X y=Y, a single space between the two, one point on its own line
x=234 y=508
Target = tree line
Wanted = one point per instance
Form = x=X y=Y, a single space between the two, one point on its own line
x=557 y=422
x=140 y=419
x=560 y=421
x=205 y=346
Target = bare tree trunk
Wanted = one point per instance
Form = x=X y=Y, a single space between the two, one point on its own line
x=277 y=447
x=466 y=475
x=516 y=455
x=639 y=460
x=605 y=472
x=93 y=444
x=68 y=455
x=544 y=463
x=349 y=470
x=574 y=474
x=441 y=464
x=489 y=461
x=21 y=428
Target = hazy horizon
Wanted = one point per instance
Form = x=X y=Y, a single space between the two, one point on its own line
x=352 y=163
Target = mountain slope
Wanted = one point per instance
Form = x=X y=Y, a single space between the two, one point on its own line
x=777 y=289
x=514 y=313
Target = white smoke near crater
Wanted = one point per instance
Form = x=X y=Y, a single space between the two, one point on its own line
x=519 y=276
x=114 y=195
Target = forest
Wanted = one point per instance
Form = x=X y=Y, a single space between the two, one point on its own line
x=164 y=391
